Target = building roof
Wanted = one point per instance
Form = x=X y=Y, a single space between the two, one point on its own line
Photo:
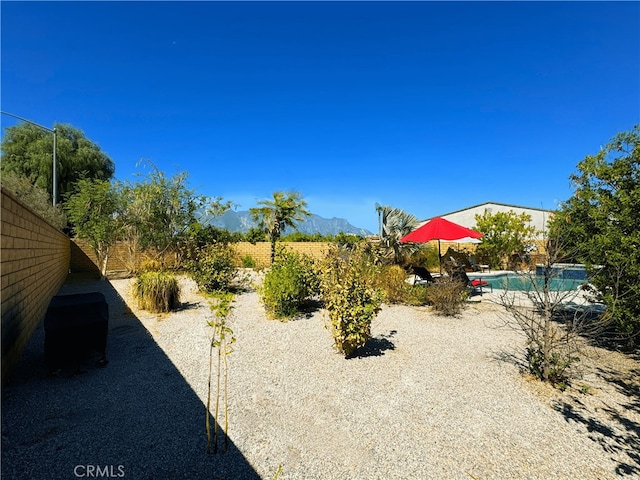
x=492 y=203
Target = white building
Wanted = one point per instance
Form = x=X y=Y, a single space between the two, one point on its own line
x=466 y=217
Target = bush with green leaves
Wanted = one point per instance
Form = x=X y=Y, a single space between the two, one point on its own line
x=553 y=367
x=248 y=262
x=392 y=281
x=447 y=296
x=289 y=283
x=157 y=292
x=426 y=256
x=34 y=197
x=213 y=267
x=347 y=285
x=598 y=226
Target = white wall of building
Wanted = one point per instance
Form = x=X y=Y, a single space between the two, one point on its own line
x=466 y=217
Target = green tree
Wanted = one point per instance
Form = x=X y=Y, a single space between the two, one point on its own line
x=395 y=224
x=162 y=211
x=34 y=197
x=285 y=210
x=94 y=211
x=600 y=223
x=505 y=234
x=28 y=150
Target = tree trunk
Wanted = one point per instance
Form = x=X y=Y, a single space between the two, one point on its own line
x=103 y=259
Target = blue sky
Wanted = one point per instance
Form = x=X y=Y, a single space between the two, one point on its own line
x=426 y=106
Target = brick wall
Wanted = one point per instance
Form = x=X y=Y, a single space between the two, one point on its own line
x=261 y=251
x=83 y=258
x=35 y=263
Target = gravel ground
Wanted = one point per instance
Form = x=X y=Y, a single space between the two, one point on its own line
x=429 y=398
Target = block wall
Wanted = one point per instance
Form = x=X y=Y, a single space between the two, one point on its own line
x=83 y=258
x=35 y=263
x=261 y=251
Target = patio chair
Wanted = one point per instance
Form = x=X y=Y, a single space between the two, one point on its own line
x=475 y=266
x=476 y=285
x=423 y=276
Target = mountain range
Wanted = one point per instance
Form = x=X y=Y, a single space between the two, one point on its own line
x=240 y=221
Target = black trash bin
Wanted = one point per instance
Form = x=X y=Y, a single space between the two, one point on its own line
x=75 y=325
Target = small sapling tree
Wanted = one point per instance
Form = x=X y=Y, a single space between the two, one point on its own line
x=94 y=210
x=220 y=346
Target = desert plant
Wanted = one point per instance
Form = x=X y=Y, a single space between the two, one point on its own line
x=392 y=281
x=447 y=296
x=221 y=343
x=157 y=291
x=288 y=284
x=150 y=265
x=248 y=262
x=395 y=224
x=349 y=296
x=213 y=267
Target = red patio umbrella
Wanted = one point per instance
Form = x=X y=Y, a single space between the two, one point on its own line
x=439 y=229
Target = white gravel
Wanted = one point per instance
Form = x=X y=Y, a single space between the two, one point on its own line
x=432 y=398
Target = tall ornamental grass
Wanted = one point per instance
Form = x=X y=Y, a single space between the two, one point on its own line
x=157 y=292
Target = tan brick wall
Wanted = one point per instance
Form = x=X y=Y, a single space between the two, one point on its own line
x=261 y=251
x=83 y=258
x=35 y=263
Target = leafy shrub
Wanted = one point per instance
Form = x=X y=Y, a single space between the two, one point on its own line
x=392 y=281
x=150 y=265
x=35 y=197
x=288 y=284
x=157 y=291
x=417 y=295
x=556 y=366
x=213 y=267
x=350 y=297
x=447 y=296
x=255 y=235
x=426 y=256
x=248 y=262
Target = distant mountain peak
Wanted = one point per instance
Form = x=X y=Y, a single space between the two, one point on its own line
x=241 y=221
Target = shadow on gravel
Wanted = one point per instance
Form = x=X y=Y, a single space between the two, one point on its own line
x=136 y=418
x=620 y=435
x=375 y=347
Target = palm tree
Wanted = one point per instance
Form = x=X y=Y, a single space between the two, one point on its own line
x=285 y=210
x=395 y=224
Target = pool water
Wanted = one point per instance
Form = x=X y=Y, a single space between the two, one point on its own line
x=512 y=281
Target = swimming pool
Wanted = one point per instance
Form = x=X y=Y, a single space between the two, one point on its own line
x=519 y=282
